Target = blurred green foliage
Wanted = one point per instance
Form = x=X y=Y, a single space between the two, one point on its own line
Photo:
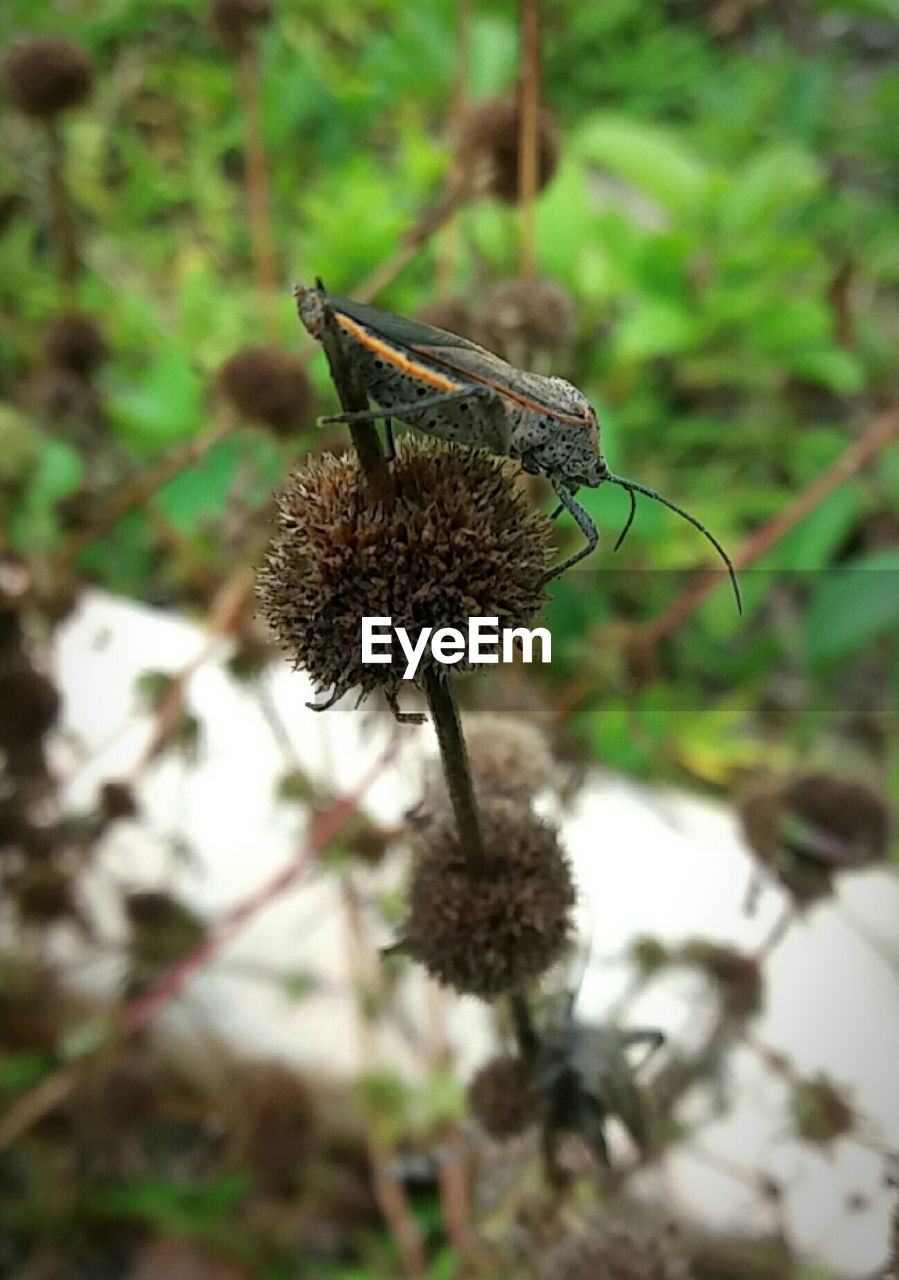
x=724 y=216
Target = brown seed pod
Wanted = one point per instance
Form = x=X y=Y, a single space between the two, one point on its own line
x=117 y=800
x=30 y=705
x=617 y=1250
x=519 y=318
x=44 y=75
x=274 y=1125
x=74 y=342
x=487 y=148
x=488 y=926
x=453 y=314
x=269 y=386
x=507 y=757
x=460 y=540
x=501 y=1097
x=738 y=977
x=235 y=21
x=821 y=1113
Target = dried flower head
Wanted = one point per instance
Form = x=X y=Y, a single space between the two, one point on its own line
x=488 y=926
x=274 y=1124
x=43 y=75
x=617 y=1250
x=738 y=977
x=453 y=314
x=821 y=1113
x=235 y=21
x=459 y=540
x=507 y=757
x=117 y=800
x=30 y=705
x=74 y=342
x=811 y=826
x=521 y=317
x=270 y=386
x=488 y=144
x=501 y=1097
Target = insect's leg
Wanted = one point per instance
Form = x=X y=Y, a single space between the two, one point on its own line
x=586 y=526
x=389 y=442
x=589 y=1121
x=558 y=511
x=414 y=406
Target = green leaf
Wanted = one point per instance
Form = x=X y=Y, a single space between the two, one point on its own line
x=165 y=406
x=654 y=159
x=812 y=543
x=773 y=181
x=853 y=606
x=176 y=1206
x=57 y=473
x=655 y=328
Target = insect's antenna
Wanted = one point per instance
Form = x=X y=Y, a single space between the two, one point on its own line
x=630 y=520
x=633 y=488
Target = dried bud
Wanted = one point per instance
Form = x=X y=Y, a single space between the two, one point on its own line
x=488 y=926
x=274 y=1125
x=73 y=342
x=649 y=954
x=522 y=317
x=30 y=705
x=453 y=314
x=43 y=75
x=488 y=145
x=617 y=1251
x=507 y=757
x=460 y=540
x=234 y=21
x=501 y=1097
x=737 y=977
x=820 y=1112
x=117 y=801
x=269 y=386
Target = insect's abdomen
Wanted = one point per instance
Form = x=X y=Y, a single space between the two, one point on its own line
x=389 y=383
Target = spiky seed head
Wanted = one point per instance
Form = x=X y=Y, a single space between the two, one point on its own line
x=453 y=314
x=460 y=540
x=821 y=1113
x=507 y=756
x=44 y=75
x=521 y=317
x=488 y=146
x=501 y=1097
x=274 y=1125
x=235 y=21
x=738 y=977
x=30 y=703
x=270 y=386
x=74 y=342
x=117 y=800
x=617 y=1250
x=489 y=926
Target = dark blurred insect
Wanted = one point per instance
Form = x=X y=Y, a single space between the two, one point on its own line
x=449 y=387
x=583 y=1076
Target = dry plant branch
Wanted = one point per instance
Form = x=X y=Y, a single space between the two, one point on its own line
x=529 y=100
x=62 y=217
x=258 y=188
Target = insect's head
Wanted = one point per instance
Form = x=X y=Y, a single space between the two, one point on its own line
x=311 y=305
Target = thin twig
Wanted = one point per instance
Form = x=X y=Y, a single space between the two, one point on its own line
x=454 y=758
x=30 y=1107
x=529 y=106
x=61 y=214
x=394 y=1205
x=258 y=197
x=142 y=487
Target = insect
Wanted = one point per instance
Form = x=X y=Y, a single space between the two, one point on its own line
x=448 y=387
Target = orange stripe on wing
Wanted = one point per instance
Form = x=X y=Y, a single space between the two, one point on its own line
x=568 y=418
x=392 y=356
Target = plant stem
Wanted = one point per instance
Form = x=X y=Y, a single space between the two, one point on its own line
x=258 y=200
x=526 y=1036
x=529 y=105
x=61 y=216
x=454 y=757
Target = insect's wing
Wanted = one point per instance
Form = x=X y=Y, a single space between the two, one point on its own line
x=405 y=333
